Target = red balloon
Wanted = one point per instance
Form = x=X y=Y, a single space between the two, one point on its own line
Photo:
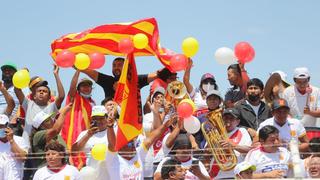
x=126 y=45
x=244 y=52
x=65 y=58
x=184 y=110
x=178 y=62
x=97 y=60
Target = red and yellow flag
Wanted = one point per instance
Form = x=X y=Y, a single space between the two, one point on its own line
x=105 y=39
x=76 y=121
x=128 y=97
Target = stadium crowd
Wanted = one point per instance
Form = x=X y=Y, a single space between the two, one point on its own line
x=256 y=130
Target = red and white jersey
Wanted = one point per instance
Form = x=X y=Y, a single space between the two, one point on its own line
x=122 y=169
x=241 y=137
x=266 y=162
x=297 y=101
x=284 y=130
x=68 y=172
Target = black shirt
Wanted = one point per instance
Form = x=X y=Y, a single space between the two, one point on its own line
x=106 y=82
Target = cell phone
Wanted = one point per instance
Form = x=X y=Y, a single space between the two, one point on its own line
x=94 y=124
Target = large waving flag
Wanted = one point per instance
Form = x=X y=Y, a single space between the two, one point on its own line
x=105 y=39
x=128 y=97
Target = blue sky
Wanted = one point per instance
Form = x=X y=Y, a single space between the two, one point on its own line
x=284 y=34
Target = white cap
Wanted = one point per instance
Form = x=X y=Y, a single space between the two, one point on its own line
x=39 y=118
x=301 y=73
x=243 y=166
x=282 y=74
x=214 y=92
x=4 y=119
x=98 y=111
x=159 y=89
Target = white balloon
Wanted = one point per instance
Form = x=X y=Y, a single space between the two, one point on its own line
x=225 y=55
x=87 y=173
x=191 y=124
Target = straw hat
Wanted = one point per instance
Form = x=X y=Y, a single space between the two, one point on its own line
x=273 y=80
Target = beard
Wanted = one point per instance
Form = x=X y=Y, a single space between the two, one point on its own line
x=253 y=98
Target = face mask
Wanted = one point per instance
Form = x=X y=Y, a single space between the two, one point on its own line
x=7 y=79
x=2 y=133
x=207 y=87
x=85 y=95
x=253 y=98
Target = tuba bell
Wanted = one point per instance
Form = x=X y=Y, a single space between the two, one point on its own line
x=176 y=92
x=214 y=131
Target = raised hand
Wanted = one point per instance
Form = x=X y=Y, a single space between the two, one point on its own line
x=55 y=69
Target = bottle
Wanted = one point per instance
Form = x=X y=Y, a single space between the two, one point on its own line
x=295 y=155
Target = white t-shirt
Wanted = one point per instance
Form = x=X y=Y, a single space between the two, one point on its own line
x=3 y=103
x=255 y=108
x=187 y=164
x=239 y=136
x=284 y=131
x=198 y=100
x=122 y=169
x=32 y=109
x=97 y=138
x=10 y=168
x=68 y=171
x=297 y=101
x=266 y=162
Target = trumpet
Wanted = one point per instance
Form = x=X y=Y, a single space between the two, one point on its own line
x=176 y=92
x=214 y=131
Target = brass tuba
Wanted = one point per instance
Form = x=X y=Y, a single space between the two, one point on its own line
x=214 y=131
x=176 y=92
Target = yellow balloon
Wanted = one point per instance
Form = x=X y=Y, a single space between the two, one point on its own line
x=21 y=79
x=82 y=61
x=98 y=152
x=140 y=41
x=190 y=46
x=190 y=102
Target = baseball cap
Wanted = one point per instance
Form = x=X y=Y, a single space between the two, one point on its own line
x=85 y=80
x=214 y=92
x=36 y=80
x=182 y=140
x=98 y=111
x=9 y=65
x=283 y=77
x=4 y=119
x=279 y=103
x=40 y=117
x=243 y=166
x=233 y=111
x=158 y=89
x=301 y=73
x=207 y=76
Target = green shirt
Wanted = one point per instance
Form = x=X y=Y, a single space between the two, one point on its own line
x=39 y=142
